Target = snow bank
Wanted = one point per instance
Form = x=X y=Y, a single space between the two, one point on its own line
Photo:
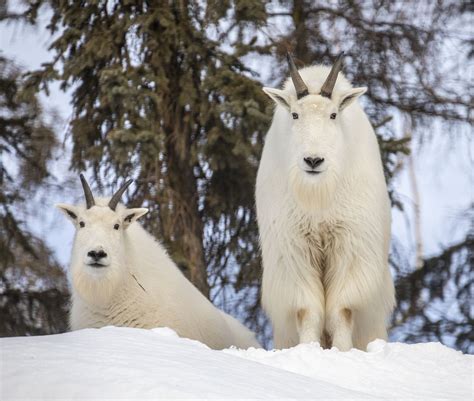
x=404 y=371
x=125 y=363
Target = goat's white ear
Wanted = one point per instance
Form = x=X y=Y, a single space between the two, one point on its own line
x=131 y=215
x=278 y=96
x=349 y=96
x=70 y=211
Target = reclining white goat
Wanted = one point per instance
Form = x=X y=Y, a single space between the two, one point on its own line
x=122 y=276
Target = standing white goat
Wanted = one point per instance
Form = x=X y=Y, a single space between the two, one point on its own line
x=324 y=215
x=122 y=276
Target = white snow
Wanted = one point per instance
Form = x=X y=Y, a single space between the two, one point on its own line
x=125 y=363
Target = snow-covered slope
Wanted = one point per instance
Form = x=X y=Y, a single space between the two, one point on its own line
x=124 y=363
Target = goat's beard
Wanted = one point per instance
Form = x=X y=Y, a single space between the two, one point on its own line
x=96 y=289
x=313 y=193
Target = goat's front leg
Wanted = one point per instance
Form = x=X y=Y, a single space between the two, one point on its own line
x=339 y=325
x=310 y=323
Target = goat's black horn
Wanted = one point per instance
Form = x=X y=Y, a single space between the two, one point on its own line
x=300 y=86
x=328 y=86
x=87 y=192
x=118 y=195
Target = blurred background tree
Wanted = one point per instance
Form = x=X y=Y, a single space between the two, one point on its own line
x=33 y=290
x=156 y=98
x=169 y=93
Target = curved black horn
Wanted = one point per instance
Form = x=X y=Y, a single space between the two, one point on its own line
x=87 y=192
x=300 y=86
x=117 y=195
x=328 y=86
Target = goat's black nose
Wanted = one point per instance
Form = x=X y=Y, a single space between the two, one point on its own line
x=97 y=255
x=313 y=162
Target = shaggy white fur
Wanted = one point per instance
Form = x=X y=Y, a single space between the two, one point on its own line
x=325 y=235
x=137 y=284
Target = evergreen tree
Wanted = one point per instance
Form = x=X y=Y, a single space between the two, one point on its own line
x=33 y=293
x=156 y=97
x=434 y=302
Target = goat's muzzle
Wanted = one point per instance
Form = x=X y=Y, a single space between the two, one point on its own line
x=97 y=258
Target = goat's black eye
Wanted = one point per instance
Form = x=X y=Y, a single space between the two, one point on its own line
x=116 y=227
x=333 y=116
x=295 y=116
x=82 y=224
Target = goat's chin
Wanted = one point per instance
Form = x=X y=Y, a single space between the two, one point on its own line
x=312 y=192
x=95 y=286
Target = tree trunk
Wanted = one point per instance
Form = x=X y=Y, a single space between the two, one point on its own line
x=419 y=261
x=184 y=227
x=178 y=199
x=299 y=16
